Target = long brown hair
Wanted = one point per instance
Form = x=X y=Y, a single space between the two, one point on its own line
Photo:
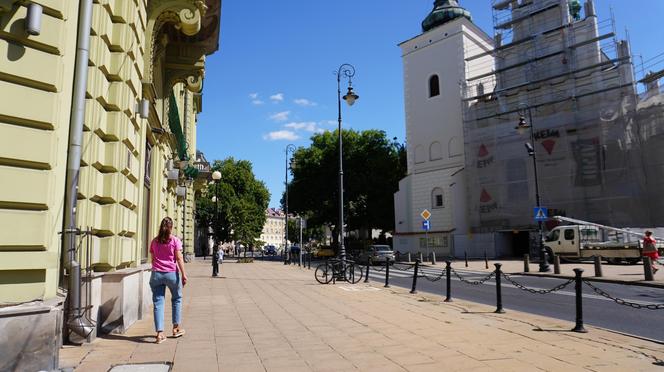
x=165 y=230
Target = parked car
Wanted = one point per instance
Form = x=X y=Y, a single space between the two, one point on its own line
x=376 y=253
x=270 y=250
x=323 y=252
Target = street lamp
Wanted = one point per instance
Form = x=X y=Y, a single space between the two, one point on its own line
x=290 y=149
x=521 y=128
x=347 y=71
x=216 y=176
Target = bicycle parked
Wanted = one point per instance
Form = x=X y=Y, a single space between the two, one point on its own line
x=339 y=270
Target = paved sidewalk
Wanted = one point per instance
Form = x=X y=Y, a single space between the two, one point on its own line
x=270 y=317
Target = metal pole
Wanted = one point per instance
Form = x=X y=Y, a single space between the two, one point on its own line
x=342 y=249
x=286 y=258
x=387 y=273
x=448 y=274
x=215 y=249
x=301 y=244
x=543 y=266
x=499 y=295
x=366 y=278
x=413 y=290
x=348 y=71
x=579 y=302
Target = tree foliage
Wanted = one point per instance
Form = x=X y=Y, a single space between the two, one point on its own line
x=238 y=215
x=373 y=166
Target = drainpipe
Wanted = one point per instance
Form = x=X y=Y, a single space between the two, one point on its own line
x=187 y=258
x=76 y=322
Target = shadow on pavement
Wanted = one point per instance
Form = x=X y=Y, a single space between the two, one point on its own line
x=135 y=339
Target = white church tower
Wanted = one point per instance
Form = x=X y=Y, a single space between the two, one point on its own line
x=435 y=68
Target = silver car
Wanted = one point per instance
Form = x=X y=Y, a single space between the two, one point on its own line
x=377 y=254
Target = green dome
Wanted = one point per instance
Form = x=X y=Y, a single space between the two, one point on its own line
x=444 y=11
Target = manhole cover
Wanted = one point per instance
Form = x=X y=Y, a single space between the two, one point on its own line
x=151 y=367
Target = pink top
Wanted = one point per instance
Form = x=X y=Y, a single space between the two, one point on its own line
x=163 y=254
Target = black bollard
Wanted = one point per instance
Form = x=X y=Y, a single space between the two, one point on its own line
x=415 y=272
x=387 y=273
x=598 y=266
x=448 y=273
x=499 y=294
x=486 y=260
x=366 y=278
x=647 y=269
x=526 y=263
x=397 y=257
x=579 y=302
x=465 y=256
x=556 y=264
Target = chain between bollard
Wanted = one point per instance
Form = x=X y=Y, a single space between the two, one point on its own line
x=476 y=282
x=537 y=291
x=620 y=301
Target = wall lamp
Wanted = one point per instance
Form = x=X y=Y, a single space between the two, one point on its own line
x=142 y=108
x=33 y=20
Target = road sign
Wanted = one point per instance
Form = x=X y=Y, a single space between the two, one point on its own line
x=426 y=225
x=541 y=214
x=426 y=214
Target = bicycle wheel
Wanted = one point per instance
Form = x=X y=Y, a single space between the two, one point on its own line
x=324 y=273
x=354 y=273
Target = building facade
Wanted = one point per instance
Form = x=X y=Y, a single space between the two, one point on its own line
x=434 y=66
x=143 y=83
x=554 y=65
x=274 y=231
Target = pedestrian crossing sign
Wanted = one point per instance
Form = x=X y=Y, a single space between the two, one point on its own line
x=541 y=214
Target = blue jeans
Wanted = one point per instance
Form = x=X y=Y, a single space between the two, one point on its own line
x=158 y=282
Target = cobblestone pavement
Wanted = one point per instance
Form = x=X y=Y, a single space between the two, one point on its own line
x=271 y=317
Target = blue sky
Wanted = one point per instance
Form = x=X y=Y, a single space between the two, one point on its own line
x=272 y=82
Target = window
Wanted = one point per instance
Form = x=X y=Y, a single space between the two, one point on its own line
x=569 y=234
x=434 y=86
x=435 y=151
x=437 y=198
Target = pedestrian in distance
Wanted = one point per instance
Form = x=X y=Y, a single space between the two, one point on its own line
x=650 y=250
x=221 y=256
x=167 y=271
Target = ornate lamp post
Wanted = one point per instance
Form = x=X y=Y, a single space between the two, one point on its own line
x=521 y=128
x=216 y=176
x=290 y=149
x=346 y=71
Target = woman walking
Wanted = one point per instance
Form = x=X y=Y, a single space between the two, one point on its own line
x=167 y=270
x=650 y=250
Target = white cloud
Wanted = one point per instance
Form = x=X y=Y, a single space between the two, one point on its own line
x=253 y=95
x=304 y=102
x=329 y=122
x=280 y=116
x=308 y=126
x=281 y=135
x=279 y=97
x=257 y=102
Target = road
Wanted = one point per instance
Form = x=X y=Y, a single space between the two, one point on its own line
x=598 y=311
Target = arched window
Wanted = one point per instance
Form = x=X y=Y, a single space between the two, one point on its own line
x=435 y=151
x=434 y=86
x=437 y=200
x=420 y=154
x=455 y=147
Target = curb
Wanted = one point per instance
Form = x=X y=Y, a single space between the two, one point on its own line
x=594 y=279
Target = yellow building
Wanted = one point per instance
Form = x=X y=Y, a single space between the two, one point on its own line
x=143 y=77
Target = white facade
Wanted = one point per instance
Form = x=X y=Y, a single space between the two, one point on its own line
x=434 y=131
x=273 y=231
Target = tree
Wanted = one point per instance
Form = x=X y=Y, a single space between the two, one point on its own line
x=373 y=166
x=239 y=213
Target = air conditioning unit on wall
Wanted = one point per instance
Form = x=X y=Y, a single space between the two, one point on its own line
x=181 y=191
x=173 y=174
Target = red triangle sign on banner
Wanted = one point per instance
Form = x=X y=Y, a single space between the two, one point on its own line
x=485 y=197
x=549 y=145
x=483 y=151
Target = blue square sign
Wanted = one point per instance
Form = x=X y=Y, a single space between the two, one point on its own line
x=426 y=225
x=541 y=214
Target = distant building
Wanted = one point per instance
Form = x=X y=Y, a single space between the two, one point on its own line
x=274 y=230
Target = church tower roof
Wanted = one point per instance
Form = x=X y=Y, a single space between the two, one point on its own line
x=444 y=11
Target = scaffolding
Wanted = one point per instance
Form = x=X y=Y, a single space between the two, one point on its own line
x=599 y=139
